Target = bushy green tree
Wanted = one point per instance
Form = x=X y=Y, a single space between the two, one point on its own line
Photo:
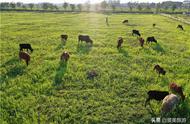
x=113 y=7
x=72 y=7
x=5 y=5
x=79 y=7
x=139 y=7
x=104 y=4
x=174 y=7
x=65 y=5
x=31 y=5
x=12 y=5
x=19 y=4
x=45 y=6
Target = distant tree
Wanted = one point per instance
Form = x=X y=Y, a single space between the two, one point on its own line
x=148 y=8
x=79 y=6
x=38 y=6
x=45 y=6
x=87 y=4
x=5 y=5
x=97 y=7
x=51 y=6
x=72 y=7
x=174 y=7
x=19 y=4
x=55 y=7
x=139 y=7
x=65 y=5
x=158 y=5
x=12 y=5
x=103 y=4
x=166 y=8
x=31 y=5
x=130 y=6
x=113 y=7
x=24 y=6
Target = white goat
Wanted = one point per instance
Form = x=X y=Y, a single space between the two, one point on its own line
x=169 y=102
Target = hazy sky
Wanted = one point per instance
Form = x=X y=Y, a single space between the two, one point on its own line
x=81 y=1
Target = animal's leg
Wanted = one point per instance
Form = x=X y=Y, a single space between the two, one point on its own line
x=27 y=62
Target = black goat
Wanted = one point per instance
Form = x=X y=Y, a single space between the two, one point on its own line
x=180 y=27
x=136 y=32
x=156 y=95
x=151 y=39
x=25 y=46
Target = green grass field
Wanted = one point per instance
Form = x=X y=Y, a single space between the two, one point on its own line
x=52 y=92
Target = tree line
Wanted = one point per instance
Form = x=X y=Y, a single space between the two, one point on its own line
x=106 y=5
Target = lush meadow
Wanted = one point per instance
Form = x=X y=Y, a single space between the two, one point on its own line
x=53 y=92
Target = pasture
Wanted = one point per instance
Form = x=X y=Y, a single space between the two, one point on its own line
x=48 y=91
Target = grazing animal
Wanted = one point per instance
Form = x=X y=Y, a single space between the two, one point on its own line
x=169 y=102
x=136 y=32
x=65 y=56
x=85 y=38
x=141 y=40
x=159 y=70
x=156 y=95
x=177 y=89
x=154 y=25
x=151 y=39
x=125 y=21
x=64 y=38
x=25 y=56
x=92 y=74
x=180 y=27
x=119 y=42
x=25 y=46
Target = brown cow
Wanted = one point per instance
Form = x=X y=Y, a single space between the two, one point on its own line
x=177 y=89
x=64 y=38
x=25 y=56
x=65 y=56
x=85 y=38
x=141 y=40
x=159 y=70
x=119 y=42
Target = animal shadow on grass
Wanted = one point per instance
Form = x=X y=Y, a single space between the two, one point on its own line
x=158 y=48
x=124 y=52
x=83 y=48
x=60 y=72
x=15 y=69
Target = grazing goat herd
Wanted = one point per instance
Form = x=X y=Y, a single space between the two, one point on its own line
x=169 y=101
